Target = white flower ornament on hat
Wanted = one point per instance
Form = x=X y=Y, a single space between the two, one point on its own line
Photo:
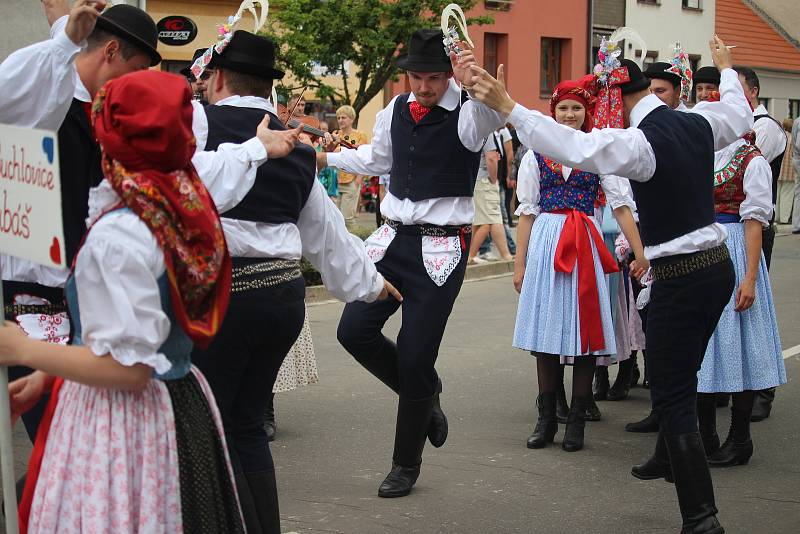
x=681 y=66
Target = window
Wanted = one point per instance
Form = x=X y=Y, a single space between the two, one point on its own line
x=174 y=66
x=650 y=2
x=764 y=102
x=498 y=5
x=694 y=62
x=794 y=109
x=550 y=69
x=692 y=4
x=649 y=59
x=495 y=52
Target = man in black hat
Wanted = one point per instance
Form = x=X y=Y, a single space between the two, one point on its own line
x=665 y=85
x=285 y=215
x=198 y=85
x=669 y=158
x=429 y=141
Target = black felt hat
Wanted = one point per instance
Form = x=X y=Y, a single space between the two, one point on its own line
x=658 y=71
x=638 y=81
x=249 y=54
x=425 y=53
x=187 y=71
x=707 y=75
x=134 y=26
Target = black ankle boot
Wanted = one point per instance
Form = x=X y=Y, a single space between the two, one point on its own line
x=648 y=424
x=562 y=408
x=636 y=374
x=738 y=447
x=592 y=411
x=438 y=429
x=546 y=425
x=622 y=384
x=269 y=419
x=693 y=484
x=762 y=404
x=600 y=386
x=657 y=466
x=411 y=432
x=707 y=421
x=576 y=423
x=264 y=491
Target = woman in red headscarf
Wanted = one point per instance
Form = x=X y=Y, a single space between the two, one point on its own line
x=132 y=440
x=564 y=313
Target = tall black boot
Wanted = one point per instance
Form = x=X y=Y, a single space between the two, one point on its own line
x=636 y=374
x=264 y=490
x=269 y=419
x=622 y=384
x=576 y=423
x=251 y=521
x=562 y=408
x=657 y=466
x=707 y=421
x=383 y=366
x=600 y=386
x=646 y=379
x=693 y=484
x=648 y=424
x=411 y=431
x=762 y=406
x=546 y=425
x=738 y=446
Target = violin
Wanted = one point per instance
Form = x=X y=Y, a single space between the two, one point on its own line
x=310 y=125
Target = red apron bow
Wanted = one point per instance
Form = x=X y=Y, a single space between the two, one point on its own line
x=574 y=246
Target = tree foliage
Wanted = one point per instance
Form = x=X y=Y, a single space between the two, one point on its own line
x=365 y=35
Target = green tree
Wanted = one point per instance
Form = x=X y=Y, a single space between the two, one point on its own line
x=366 y=35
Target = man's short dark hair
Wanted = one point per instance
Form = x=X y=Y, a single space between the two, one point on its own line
x=243 y=84
x=750 y=77
x=100 y=37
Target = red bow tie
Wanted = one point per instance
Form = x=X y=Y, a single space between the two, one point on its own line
x=418 y=111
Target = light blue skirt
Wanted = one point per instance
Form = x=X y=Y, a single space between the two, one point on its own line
x=745 y=351
x=547 y=313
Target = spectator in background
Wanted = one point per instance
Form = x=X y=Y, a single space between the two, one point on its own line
x=505 y=146
x=349 y=184
x=786 y=179
x=328 y=176
x=488 y=216
x=795 y=147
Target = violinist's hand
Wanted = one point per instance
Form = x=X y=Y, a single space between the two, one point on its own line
x=306 y=139
x=82 y=18
x=331 y=142
x=491 y=91
x=278 y=143
x=25 y=392
x=390 y=291
x=461 y=63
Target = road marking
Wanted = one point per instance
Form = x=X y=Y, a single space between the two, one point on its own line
x=791 y=351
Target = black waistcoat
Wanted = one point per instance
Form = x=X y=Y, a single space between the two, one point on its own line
x=79 y=161
x=428 y=159
x=282 y=185
x=775 y=164
x=679 y=198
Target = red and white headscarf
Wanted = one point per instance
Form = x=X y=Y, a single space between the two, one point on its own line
x=580 y=91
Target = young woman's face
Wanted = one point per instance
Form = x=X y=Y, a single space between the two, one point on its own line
x=570 y=113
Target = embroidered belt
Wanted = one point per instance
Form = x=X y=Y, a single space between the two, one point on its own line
x=258 y=273
x=12 y=310
x=432 y=230
x=690 y=263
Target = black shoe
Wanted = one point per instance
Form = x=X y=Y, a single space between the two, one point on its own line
x=646 y=425
x=762 y=404
x=657 y=466
x=738 y=447
x=600 y=386
x=723 y=399
x=622 y=384
x=592 y=411
x=398 y=482
x=546 y=425
x=562 y=408
x=438 y=429
x=707 y=421
x=576 y=423
x=635 y=372
x=269 y=419
x=693 y=484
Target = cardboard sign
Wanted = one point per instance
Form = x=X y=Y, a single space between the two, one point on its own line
x=30 y=196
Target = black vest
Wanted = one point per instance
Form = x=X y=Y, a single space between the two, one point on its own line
x=428 y=159
x=79 y=162
x=282 y=185
x=679 y=198
x=775 y=164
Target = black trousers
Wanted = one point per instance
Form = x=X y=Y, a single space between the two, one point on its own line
x=242 y=363
x=767 y=242
x=426 y=308
x=681 y=317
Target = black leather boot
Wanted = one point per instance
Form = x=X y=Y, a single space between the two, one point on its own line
x=269 y=419
x=693 y=484
x=562 y=408
x=648 y=424
x=411 y=431
x=546 y=425
x=592 y=411
x=264 y=490
x=636 y=374
x=762 y=405
x=622 y=384
x=600 y=386
x=738 y=446
x=657 y=466
x=438 y=429
x=576 y=423
x=707 y=421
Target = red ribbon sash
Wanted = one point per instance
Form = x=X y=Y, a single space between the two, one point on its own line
x=575 y=247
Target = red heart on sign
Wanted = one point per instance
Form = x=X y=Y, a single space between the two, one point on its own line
x=55 y=251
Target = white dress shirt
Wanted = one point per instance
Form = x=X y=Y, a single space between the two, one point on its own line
x=626 y=152
x=757 y=184
x=475 y=123
x=770 y=139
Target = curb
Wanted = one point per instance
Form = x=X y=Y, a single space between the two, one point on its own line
x=316 y=295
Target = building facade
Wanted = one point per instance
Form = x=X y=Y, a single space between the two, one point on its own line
x=606 y=16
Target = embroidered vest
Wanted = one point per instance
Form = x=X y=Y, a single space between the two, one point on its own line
x=555 y=193
x=729 y=180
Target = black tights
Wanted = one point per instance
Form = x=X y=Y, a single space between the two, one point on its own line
x=743 y=400
x=550 y=373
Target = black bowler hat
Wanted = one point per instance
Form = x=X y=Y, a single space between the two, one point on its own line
x=187 y=71
x=638 y=81
x=249 y=54
x=658 y=71
x=707 y=75
x=133 y=25
x=425 y=53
